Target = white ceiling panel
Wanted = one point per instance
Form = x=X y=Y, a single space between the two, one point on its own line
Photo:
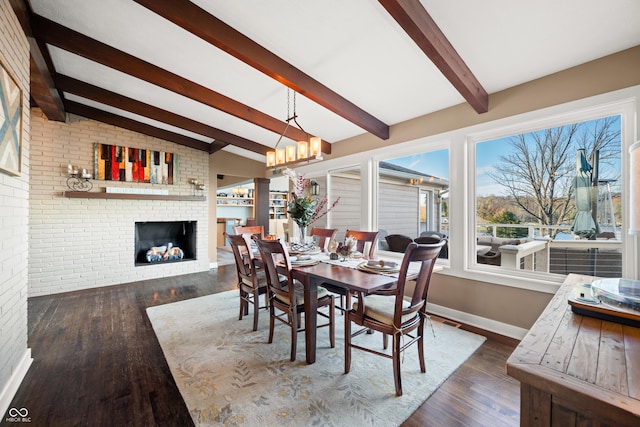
x=354 y=47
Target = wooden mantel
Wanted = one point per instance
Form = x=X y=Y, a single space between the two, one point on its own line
x=96 y=195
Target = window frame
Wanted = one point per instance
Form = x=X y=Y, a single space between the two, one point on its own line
x=462 y=199
x=625 y=108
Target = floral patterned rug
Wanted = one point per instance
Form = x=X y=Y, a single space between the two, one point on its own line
x=229 y=375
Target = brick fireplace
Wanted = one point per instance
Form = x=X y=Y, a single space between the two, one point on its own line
x=175 y=234
x=80 y=243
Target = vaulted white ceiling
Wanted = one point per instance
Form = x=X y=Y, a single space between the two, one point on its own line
x=353 y=47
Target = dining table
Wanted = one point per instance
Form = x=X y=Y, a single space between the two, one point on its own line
x=350 y=274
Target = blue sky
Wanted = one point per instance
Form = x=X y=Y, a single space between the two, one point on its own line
x=436 y=163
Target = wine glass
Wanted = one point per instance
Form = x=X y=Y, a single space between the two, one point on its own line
x=343 y=249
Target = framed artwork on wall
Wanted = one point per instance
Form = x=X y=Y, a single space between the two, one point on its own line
x=10 y=123
x=117 y=163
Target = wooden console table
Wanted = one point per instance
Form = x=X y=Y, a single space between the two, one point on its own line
x=576 y=370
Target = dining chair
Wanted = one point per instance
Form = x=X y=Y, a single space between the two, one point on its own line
x=287 y=294
x=326 y=235
x=390 y=313
x=250 y=229
x=363 y=239
x=251 y=282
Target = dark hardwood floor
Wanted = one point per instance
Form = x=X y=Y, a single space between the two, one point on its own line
x=97 y=362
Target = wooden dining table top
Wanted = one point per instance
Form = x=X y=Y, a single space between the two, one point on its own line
x=346 y=277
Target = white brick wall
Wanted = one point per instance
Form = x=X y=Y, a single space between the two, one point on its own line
x=15 y=357
x=85 y=243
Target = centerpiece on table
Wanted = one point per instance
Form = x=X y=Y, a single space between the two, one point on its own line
x=303 y=207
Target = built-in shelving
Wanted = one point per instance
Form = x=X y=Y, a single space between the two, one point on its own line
x=95 y=195
x=244 y=202
x=278 y=204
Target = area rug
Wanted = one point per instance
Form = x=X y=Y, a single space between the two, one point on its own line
x=229 y=375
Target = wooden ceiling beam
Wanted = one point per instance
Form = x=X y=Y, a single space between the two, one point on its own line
x=419 y=25
x=79 y=44
x=95 y=93
x=42 y=89
x=134 y=125
x=197 y=21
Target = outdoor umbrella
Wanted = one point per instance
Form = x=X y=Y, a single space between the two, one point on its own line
x=583 y=225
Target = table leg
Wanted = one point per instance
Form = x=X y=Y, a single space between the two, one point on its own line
x=310 y=317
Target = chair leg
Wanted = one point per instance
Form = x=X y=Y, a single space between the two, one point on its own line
x=272 y=322
x=347 y=344
x=420 y=345
x=241 y=306
x=385 y=341
x=244 y=305
x=256 y=304
x=332 y=324
x=294 y=317
x=396 y=364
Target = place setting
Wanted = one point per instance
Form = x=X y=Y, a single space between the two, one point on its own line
x=379 y=266
x=301 y=261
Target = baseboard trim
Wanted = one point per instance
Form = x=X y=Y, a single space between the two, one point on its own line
x=213 y=265
x=10 y=390
x=477 y=321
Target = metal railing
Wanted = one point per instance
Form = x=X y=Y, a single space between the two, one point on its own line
x=563 y=254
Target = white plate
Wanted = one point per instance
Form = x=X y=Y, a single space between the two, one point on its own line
x=363 y=266
x=386 y=265
x=305 y=263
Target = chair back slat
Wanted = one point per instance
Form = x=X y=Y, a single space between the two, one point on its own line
x=325 y=235
x=426 y=255
x=364 y=237
x=272 y=252
x=241 y=247
x=254 y=230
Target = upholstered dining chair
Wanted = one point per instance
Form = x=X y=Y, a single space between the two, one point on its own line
x=250 y=229
x=363 y=238
x=251 y=282
x=286 y=294
x=388 y=312
x=325 y=235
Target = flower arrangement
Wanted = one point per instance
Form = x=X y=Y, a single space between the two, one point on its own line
x=303 y=208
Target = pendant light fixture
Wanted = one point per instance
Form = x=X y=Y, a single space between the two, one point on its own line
x=304 y=151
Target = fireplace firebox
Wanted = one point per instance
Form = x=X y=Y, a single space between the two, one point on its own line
x=167 y=234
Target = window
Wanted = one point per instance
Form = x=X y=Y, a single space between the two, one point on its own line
x=346 y=185
x=413 y=198
x=549 y=200
x=386 y=198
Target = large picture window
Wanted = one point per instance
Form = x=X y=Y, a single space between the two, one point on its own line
x=513 y=197
x=413 y=196
x=549 y=200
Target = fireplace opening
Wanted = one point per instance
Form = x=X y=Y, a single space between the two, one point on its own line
x=167 y=241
